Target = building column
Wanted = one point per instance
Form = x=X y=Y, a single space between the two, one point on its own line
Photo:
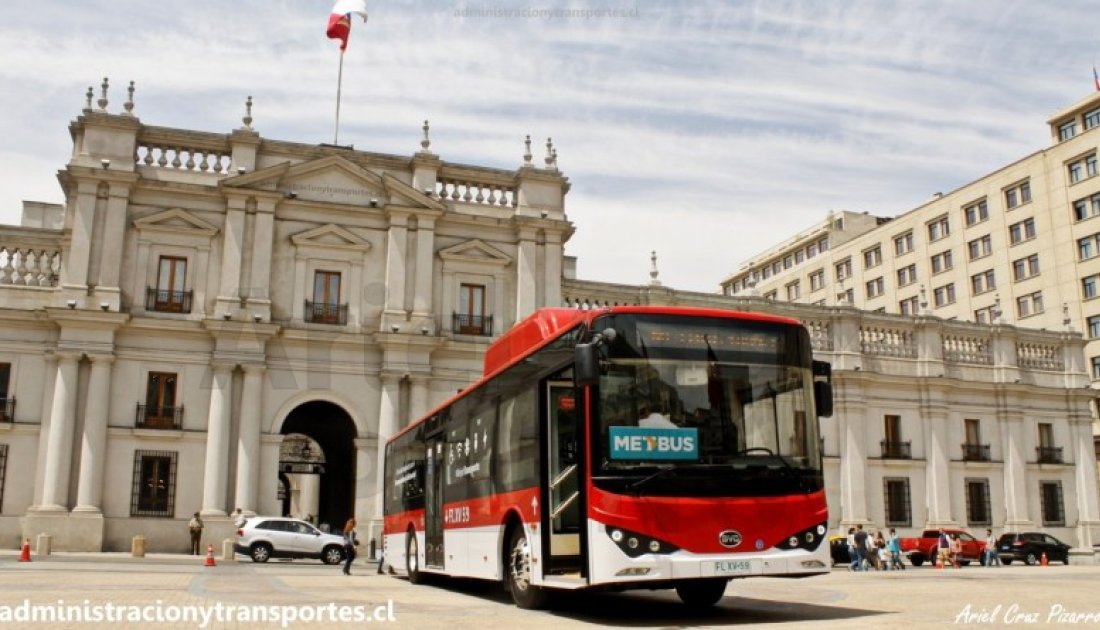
x=59 y=441
x=552 y=256
x=425 y=246
x=418 y=397
x=114 y=227
x=248 y=440
x=937 y=482
x=263 y=230
x=526 y=264
x=387 y=426
x=232 y=248
x=216 y=469
x=1015 y=470
x=853 y=456
x=396 y=246
x=93 y=446
x=75 y=274
x=1084 y=458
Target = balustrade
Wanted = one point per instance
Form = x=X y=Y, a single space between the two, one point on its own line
x=25 y=266
x=216 y=161
x=964 y=349
x=467 y=191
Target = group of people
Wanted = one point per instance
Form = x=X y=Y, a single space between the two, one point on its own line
x=878 y=552
x=949 y=550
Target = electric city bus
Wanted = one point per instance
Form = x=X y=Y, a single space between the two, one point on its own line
x=620 y=448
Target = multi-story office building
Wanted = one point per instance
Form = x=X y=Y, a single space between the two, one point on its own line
x=1020 y=245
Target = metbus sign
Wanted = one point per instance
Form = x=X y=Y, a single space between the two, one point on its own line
x=654 y=443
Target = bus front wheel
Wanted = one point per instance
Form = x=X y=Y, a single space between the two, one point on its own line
x=518 y=573
x=412 y=558
x=701 y=593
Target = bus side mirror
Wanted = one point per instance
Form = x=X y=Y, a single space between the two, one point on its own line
x=586 y=364
x=823 y=399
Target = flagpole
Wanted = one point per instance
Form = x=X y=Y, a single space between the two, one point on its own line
x=339 y=85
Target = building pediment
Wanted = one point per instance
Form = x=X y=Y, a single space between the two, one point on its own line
x=475 y=251
x=176 y=220
x=333 y=179
x=330 y=236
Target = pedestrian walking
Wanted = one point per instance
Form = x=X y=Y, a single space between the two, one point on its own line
x=195 y=527
x=943 y=549
x=894 y=547
x=851 y=540
x=351 y=540
x=991 y=557
x=861 y=548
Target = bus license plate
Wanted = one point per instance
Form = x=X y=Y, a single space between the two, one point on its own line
x=732 y=567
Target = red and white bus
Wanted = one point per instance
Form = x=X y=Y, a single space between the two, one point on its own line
x=620 y=448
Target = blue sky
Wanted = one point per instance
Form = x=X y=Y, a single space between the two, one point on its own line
x=706 y=131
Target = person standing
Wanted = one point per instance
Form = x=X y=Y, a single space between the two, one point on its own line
x=943 y=549
x=350 y=541
x=238 y=518
x=956 y=550
x=851 y=542
x=861 y=547
x=195 y=527
x=894 y=547
x=991 y=556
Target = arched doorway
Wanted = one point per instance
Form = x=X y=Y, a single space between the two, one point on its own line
x=332 y=430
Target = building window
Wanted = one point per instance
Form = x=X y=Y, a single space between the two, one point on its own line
x=984 y=315
x=1092 y=119
x=1047 y=452
x=1067 y=130
x=1087 y=207
x=169 y=295
x=942 y=262
x=1053 y=511
x=160 y=410
x=907 y=275
x=846 y=297
x=976 y=213
x=766 y=273
x=793 y=291
x=875 y=288
x=823 y=245
x=770 y=295
x=1018 y=195
x=817 y=280
x=7 y=400
x=1088 y=247
x=154 y=491
x=892 y=446
x=1022 y=231
x=844 y=269
x=1095 y=367
x=938 y=228
x=471 y=318
x=978 y=511
x=1028 y=305
x=942 y=296
x=811 y=250
x=325 y=308
x=980 y=247
x=1094 y=326
x=1089 y=287
x=982 y=282
x=872 y=257
x=909 y=306
x=903 y=244
x=788 y=261
x=896 y=490
x=777 y=267
x=973 y=449
x=1025 y=268
x=1082 y=168
x=799 y=256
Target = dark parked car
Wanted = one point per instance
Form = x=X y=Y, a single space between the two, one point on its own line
x=1029 y=547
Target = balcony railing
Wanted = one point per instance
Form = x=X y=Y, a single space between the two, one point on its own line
x=1049 y=454
x=167 y=301
x=466 y=324
x=7 y=409
x=975 y=452
x=326 y=313
x=897 y=450
x=158 y=417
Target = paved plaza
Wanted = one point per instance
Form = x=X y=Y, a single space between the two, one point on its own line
x=164 y=585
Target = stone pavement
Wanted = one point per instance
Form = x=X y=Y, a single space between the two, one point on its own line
x=1048 y=597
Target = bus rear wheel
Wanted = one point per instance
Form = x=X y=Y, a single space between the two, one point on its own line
x=412 y=558
x=701 y=593
x=517 y=570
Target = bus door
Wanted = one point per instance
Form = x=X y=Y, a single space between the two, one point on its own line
x=433 y=500
x=562 y=521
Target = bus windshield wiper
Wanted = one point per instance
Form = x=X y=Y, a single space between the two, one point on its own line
x=782 y=460
x=661 y=471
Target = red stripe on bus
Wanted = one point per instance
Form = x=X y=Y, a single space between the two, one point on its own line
x=480 y=512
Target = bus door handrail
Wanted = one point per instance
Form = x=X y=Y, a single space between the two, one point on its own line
x=563 y=476
x=565 y=504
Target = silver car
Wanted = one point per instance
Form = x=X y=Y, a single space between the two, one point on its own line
x=265 y=537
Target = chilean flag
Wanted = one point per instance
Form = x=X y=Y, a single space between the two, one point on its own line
x=1096 y=78
x=339 y=23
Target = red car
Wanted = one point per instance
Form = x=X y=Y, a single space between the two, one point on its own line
x=923 y=549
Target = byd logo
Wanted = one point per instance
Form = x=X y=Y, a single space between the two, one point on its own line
x=729 y=538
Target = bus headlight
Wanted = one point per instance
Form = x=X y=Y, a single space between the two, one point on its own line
x=635 y=545
x=632 y=543
x=805 y=539
x=793 y=541
x=617 y=535
x=654 y=546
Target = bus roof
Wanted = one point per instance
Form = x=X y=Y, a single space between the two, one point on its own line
x=546 y=324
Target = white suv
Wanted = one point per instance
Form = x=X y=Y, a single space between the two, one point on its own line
x=266 y=537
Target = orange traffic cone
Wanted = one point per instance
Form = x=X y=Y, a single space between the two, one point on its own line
x=1043 y=560
x=939 y=561
x=25 y=554
x=209 y=557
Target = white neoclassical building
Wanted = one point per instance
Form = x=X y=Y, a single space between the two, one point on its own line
x=221 y=320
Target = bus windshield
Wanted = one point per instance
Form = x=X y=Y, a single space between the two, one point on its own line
x=707 y=405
